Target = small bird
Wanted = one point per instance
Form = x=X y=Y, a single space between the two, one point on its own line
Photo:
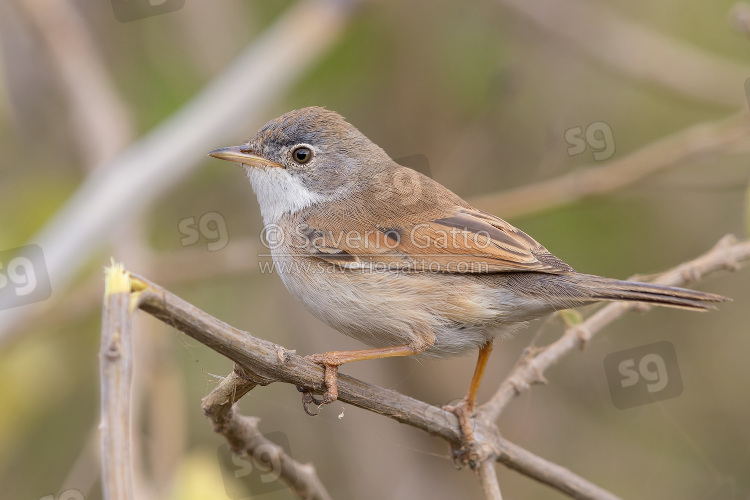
x=389 y=256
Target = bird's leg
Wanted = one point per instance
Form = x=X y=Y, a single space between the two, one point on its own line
x=464 y=410
x=332 y=360
x=471 y=396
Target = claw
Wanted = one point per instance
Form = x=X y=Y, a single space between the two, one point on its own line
x=307 y=399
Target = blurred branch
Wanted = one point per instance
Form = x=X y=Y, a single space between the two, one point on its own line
x=739 y=17
x=488 y=478
x=116 y=373
x=726 y=254
x=264 y=362
x=635 y=51
x=85 y=471
x=617 y=174
x=103 y=122
x=244 y=437
x=103 y=125
x=125 y=186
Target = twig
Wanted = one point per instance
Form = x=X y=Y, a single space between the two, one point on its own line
x=488 y=478
x=116 y=372
x=636 y=51
x=244 y=437
x=726 y=254
x=617 y=174
x=264 y=362
x=553 y=475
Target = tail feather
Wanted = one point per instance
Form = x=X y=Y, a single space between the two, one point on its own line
x=610 y=289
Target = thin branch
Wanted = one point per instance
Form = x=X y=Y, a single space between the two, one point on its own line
x=726 y=254
x=264 y=362
x=635 y=51
x=488 y=479
x=558 y=477
x=245 y=438
x=116 y=372
x=617 y=174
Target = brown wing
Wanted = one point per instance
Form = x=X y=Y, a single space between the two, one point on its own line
x=457 y=239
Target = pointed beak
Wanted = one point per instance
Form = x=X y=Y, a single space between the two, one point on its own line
x=236 y=154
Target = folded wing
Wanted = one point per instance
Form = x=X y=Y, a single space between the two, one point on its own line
x=459 y=239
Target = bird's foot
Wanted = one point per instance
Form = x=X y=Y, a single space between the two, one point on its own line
x=331 y=365
x=467 y=453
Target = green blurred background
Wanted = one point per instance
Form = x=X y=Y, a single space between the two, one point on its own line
x=486 y=96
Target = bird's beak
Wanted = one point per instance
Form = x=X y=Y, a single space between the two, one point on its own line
x=235 y=153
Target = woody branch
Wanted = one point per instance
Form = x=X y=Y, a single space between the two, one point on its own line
x=263 y=362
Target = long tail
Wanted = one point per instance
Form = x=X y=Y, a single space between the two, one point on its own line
x=599 y=288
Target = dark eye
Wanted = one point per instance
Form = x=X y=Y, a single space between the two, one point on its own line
x=302 y=155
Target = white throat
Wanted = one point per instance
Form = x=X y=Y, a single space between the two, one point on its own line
x=279 y=193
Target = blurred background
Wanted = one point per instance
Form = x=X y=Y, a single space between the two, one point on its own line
x=107 y=110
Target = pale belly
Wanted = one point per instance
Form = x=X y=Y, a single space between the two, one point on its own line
x=455 y=313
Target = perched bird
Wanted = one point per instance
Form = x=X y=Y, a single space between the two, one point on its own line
x=387 y=255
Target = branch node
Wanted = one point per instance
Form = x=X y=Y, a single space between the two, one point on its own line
x=539 y=377
x=113 y=351
x=518 y=385
x=583 y=335
x=283 y=354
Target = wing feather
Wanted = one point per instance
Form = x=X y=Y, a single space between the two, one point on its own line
x=458 y=240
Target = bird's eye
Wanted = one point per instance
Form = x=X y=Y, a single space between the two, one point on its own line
x=302 y=155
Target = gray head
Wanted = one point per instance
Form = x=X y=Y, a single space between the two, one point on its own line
x=306 y=156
